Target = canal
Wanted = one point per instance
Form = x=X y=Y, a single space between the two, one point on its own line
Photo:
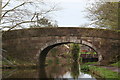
x=50 y=71
x=59 y=63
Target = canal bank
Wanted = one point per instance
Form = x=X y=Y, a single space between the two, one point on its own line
x=100 y=71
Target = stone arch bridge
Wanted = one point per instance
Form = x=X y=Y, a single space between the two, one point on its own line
x=32 y=45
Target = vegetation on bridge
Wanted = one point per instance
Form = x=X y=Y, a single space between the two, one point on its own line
x=75 y=49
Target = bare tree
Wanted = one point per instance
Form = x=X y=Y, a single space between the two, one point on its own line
x=22 y=13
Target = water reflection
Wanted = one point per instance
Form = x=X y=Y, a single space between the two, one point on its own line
x=82 y=75
x=75 y=70
x=26 y=73
x=52 y=71
x=42 y=72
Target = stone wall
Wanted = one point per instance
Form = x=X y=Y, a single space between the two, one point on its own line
x=27 y=44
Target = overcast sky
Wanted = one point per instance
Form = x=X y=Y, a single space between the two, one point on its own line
x=72 y=13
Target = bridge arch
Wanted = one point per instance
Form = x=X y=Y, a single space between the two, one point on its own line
x=31 y=43
x=48 y=46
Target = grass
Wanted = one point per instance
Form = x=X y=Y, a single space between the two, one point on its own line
x=117 y=64
x=87 y=53
x=84 y=68
x=101 y=72
x=104 y=73
x=88 y=63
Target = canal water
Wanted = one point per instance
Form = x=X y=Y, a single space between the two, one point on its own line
x=71 y=71
x=60 y=64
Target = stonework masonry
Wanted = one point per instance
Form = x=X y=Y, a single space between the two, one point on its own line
x=31 y=45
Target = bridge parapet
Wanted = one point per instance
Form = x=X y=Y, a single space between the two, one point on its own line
x=62 y=31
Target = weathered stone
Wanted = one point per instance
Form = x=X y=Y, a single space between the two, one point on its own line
x=33 y=44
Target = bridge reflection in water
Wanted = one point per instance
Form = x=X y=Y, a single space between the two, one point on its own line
x=63 y=71
x=53 y=71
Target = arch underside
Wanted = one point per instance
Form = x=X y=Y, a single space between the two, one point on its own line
x=44 y=51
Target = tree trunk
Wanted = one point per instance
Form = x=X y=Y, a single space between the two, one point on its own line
x=0 y=10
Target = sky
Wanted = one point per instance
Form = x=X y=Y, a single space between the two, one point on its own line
x=72 y=13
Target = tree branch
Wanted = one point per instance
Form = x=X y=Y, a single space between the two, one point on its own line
x=13 y=9
x=20 y=23
x=6 y=4
x=20 y=14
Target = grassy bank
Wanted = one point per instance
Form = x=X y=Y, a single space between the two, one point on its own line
x=104 y=73
x=101 y=72
x=117 y=64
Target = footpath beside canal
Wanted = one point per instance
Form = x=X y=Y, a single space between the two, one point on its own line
x=112 y=68
x=115 y=69
x=106 y=72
